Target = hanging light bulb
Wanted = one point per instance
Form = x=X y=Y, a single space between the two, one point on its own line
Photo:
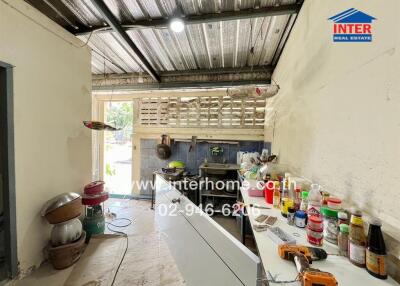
x=177 y=25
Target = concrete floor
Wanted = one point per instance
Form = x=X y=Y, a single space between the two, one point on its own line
x=148 y=261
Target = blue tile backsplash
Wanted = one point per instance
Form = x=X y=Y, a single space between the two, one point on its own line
x=180 y=152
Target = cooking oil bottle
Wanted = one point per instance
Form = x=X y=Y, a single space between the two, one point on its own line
x=277 y=195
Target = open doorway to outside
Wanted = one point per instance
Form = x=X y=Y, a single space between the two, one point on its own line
x=117 y=164
x=8 y=238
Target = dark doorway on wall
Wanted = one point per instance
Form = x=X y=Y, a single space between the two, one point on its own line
x=8 y=238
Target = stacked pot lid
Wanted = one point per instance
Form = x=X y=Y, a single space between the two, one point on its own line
x=62 y=208
x=67 y=237
x=94 y=194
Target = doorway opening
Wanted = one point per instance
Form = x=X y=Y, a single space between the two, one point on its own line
x=8 y=232
x=117 y=166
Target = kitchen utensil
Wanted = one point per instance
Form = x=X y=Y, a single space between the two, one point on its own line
x=255 y=192
x=171 y=174
x=95 y=187
x=163 y=150
x=96 y=199
x=271 y=220
x=176 y=164
x=254 y=188
x=261 y=218
x=264 y=155
x=266 y=222
x=279 y=236
x=262 y=172
x=269 y=192
x=193 y=143
x=259 y=207
x=62 y=208
x=64 y=256
x=260 y=228
x=66 y=232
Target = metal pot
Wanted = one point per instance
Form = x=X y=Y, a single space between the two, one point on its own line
x=163 y=150
x=66 y=232
x=62 y=208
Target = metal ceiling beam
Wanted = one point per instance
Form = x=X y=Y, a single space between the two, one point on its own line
x=115 y=26
x=181 y=85
x=199 y=19
x=200 y=77
x=219 y=71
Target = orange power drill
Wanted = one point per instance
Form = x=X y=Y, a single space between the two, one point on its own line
x=302 y=256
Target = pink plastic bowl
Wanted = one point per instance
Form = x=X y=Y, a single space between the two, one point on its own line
x=254 y=192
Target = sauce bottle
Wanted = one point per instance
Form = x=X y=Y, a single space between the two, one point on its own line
x=343 y=239
x=277 y=195
x=297 y=198
x=285 y=202
x=376 y=251
x=357 y=239
x=314 y=201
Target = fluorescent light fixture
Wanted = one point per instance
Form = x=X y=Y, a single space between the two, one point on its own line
x=177 y=25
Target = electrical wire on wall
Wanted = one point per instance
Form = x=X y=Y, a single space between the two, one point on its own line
x=88 y=40
x=251 y=50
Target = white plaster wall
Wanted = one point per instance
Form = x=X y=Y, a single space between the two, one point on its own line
x=52 y=95
x=337 y=115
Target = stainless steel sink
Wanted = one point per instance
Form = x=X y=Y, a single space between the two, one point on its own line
x=218 y=168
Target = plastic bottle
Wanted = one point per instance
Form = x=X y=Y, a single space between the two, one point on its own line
x=314 y=201
x=343 y=239
x=357 y=239
x=286 y=181
x=304 y=201
x=376 y=251
x=343 y=218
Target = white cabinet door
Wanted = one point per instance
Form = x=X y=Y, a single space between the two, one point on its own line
x=205 y=253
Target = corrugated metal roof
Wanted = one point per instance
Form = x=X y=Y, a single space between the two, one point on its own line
x=236 y=43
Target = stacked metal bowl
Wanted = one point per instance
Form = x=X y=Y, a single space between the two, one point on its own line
x=67 y=237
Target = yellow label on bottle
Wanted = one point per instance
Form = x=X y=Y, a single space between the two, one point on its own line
x=356 y=220
x=376 y=263
x=285 y=205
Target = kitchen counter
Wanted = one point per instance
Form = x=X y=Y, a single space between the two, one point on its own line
x=205 y=253
x=346 y=273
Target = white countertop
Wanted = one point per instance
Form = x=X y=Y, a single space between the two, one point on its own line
x=345 y=272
